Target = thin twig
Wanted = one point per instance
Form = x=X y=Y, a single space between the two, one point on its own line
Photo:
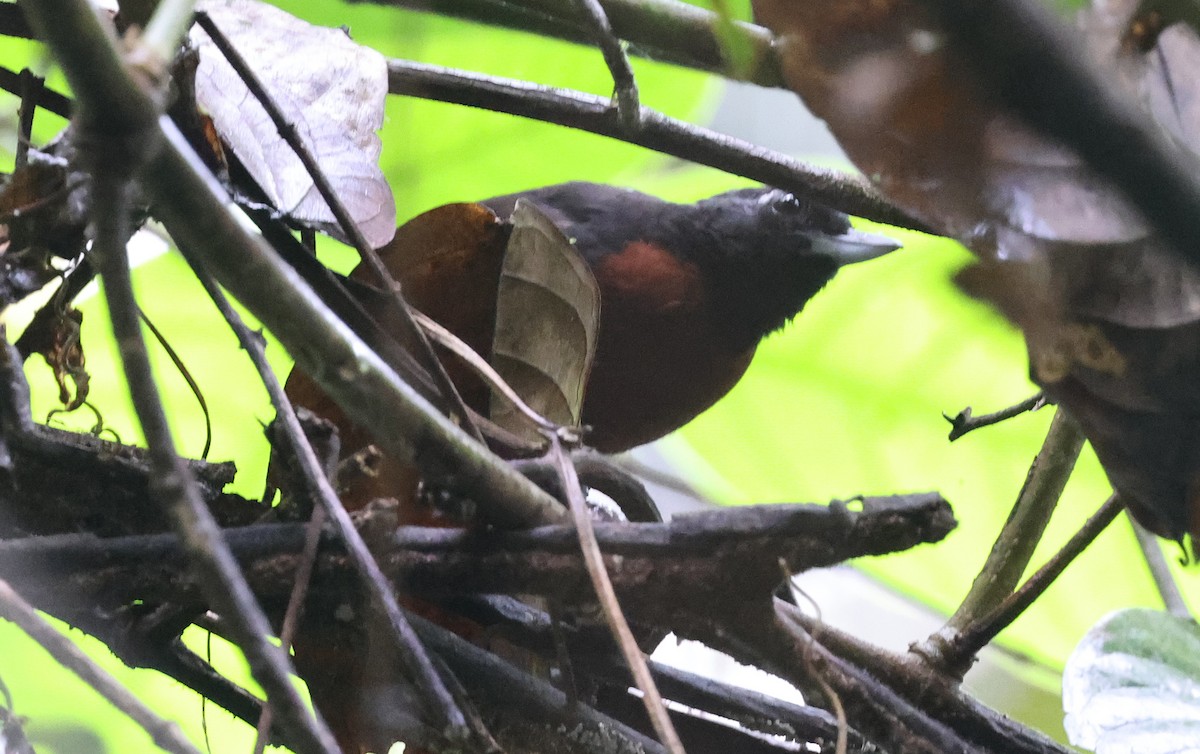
x=1164 y=580
x=594 y=561
x=166 y=735
x=629 y=106
x=848 y=193
x=412 y=653
x=484 y=371
x=963 y=647
x=31 y=90
x=186 y=374
x=965 y=422
x=291 y=616
x=809 y=640
x=1014 y=545
x=288 y=132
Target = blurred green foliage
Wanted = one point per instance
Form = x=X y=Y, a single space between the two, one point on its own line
x=847 y=402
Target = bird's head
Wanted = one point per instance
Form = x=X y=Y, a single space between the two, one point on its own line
x=767 y=252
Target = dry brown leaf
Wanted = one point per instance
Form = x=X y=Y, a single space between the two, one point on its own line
x=331 y=89
x=1109 y=315
x=447 y=261
x=547 y=322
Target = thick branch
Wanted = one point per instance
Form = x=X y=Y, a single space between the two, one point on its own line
x=726 y=554
x=665 y=30
x=52 y=481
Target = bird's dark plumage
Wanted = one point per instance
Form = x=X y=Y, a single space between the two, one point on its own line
x=688 y=291
x=752 y=246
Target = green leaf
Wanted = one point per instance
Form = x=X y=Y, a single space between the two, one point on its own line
x=1133 y=685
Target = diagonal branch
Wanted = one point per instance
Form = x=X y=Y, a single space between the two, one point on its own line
x=165 y=734
x=962 y=647
x=415 y=658
x=394 y=299
x=587 y=112
x=173 y=482
x=195 y=209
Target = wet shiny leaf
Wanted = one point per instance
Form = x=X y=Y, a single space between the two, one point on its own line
x=1133 y=685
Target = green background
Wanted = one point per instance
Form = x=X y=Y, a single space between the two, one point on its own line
x=847 y=401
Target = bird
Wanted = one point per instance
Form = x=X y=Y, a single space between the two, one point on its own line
x=687 y=292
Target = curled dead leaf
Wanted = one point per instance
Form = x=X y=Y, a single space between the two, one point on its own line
x=547 y=322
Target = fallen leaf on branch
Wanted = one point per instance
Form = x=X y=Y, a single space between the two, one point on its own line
x=447 y=262
x=329 y=88
x=547 y=323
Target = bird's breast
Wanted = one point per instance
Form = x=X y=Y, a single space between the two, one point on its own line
x=660 y=360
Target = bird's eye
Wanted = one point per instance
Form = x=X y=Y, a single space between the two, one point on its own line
x=787 y=204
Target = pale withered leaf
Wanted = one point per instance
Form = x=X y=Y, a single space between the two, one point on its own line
x=331 y=89
x=547 y=322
